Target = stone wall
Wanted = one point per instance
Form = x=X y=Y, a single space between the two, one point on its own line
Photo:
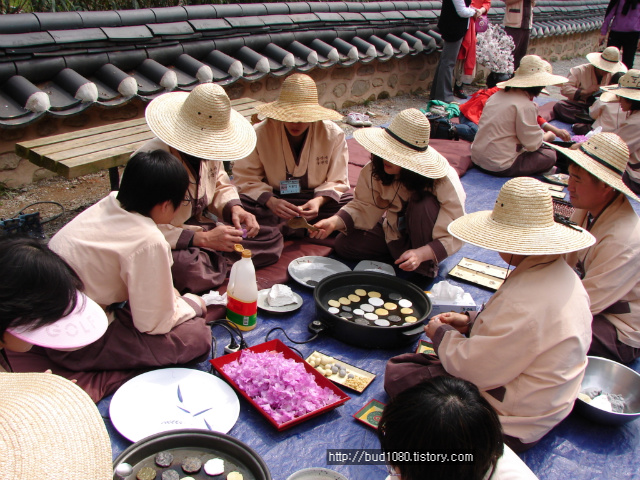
x=338 y=88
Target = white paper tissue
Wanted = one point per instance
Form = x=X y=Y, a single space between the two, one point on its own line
x=446 y=297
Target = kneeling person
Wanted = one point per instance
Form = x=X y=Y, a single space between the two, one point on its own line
x=125 y=263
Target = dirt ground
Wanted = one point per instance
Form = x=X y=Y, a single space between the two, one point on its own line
x=77 y=194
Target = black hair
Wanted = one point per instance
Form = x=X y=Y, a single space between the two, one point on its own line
x=442 y=415
x=152 y=178
x=615 y=78
x=37 y=287
x=417 y=184
x=635 y=105
x=533 y=91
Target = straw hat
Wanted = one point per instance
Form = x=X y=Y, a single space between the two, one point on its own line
x=628 y=87
x=201 y=123
x=521 y=223
x=298 y=102
x=405 y=143
x=605 y=156
x=50 y=429
x=608 y=60
x=533 y=72
x=84 y=325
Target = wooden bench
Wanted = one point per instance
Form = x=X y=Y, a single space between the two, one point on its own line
x=93 y=149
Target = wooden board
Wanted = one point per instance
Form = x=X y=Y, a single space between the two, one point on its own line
x=480 y=273
x=90 y=150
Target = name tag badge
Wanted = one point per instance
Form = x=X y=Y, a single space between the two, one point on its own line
x=289 y=186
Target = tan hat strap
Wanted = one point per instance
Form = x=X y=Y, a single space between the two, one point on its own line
x=405 y=143
x=600 y=161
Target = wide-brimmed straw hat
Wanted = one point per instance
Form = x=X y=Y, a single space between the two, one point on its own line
x=201 y=123
x=521 y=223
x=608 y=60
x=405 y=143
x=533 y=72
x=628 y=87
x=605 y=156
x=84 y=325
x=298 y=102
x=50 y=429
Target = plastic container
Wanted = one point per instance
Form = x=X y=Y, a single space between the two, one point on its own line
x=242 y=293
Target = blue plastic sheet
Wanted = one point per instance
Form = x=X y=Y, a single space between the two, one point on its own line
x=576 y=449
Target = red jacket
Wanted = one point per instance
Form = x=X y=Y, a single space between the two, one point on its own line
x=468 y=48
x=472 y=108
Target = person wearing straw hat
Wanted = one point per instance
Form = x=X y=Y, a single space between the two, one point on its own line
x=605 y=112
x=628 y=93
x=299 y=165
x=509 y=141
x=124 y=262
x=609 y=269
x=584 y=84
x=41 y=302
x=404 y=200
x=201 y=129
x=527 y=350
x=50 y=428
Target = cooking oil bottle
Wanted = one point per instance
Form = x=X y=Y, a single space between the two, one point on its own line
x=242 y=293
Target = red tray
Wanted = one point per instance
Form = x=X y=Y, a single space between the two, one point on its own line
x=277 y=346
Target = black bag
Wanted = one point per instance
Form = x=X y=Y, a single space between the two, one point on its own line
x=441 y=127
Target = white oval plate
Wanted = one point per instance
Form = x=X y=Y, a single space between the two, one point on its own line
x=308 y=271
x=264 y=304
x=172 y=399
x=373 y=266
x=316 y=473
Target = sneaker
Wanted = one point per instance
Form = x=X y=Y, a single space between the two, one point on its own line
x=358 y=120
x=459 y=92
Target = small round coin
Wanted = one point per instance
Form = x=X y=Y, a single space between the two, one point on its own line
x=374 y=294
x=358 y=311
x=367 y=308
x=347 y=315
x=404 y=303
x=411 y=319
x=406 y=311
x=370 y=316
x=395 y=296
x=382 y=322
x=164 y=459
x=333 y=303
x=354 y=298
x=360 y=292
x=381 y=312
x=191 y=465
x=390 y=306
x=146 y=473
x=360 y=321
x=344 y=301
x=394 y=318
x=333 y=310
x=376 y=302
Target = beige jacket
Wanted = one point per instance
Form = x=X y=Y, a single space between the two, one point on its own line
x=583 y=82
x=607 y=115
x=508 y=127
x=322 y=166
x=372 y=200
x=612 y=266
x=214 y=192
x=629 y=131
x=527 y=350
x=122 y=256
x=519 y=13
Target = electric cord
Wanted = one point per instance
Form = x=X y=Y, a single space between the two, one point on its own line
x=266 y=338
x=42 y=222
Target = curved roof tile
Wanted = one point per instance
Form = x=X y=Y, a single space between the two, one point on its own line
x=61 y=63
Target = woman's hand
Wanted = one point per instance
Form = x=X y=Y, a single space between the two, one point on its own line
x=459 y=321
x=310 y=209
x=326 y=227
x=239 y=217
x=283 y=209
x=411 y=259
x=222 y=238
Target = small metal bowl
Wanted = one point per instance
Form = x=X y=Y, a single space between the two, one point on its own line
x=611 y=377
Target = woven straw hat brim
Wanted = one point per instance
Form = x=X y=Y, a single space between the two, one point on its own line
x=202 y=140
x=630 y=93
x=597 y=170
x=481 y=230
x=430 y=163
x=542 y=79
x=297 y=112
x=50 y=429
x=596 y=60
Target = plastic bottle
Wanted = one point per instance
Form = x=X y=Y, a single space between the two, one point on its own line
x=242 y=293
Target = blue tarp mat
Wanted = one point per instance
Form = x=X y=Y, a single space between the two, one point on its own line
x=576 y=449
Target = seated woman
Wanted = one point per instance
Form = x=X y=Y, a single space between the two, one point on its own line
x=299 y=165
x=404 y=200
x=124 y=262
x=201 y=130
x=628 y=94
x=41 y=301
x=509 y=142
x=471 y=111
x=605 y=112
x=527 y=350
x=585 y=81
x=447 y=415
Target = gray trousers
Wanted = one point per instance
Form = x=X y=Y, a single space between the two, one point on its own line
x=442 y=86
